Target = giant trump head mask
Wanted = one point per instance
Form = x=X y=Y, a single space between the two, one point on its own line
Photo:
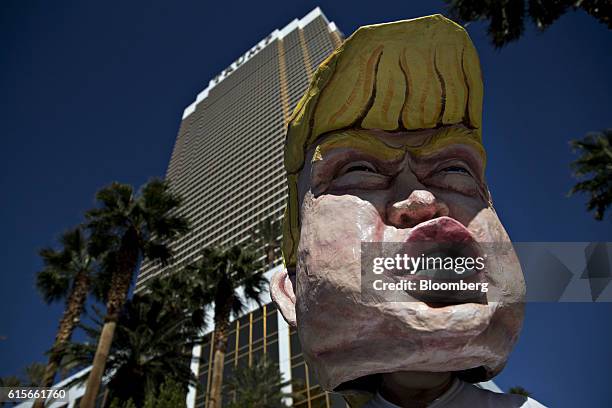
x=386 y=146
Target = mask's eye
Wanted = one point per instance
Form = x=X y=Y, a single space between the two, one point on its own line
x=455 y=170
x=454 y=177
x=360 y=167
x=359 y=175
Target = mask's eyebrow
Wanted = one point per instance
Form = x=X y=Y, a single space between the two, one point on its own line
x=368 y=144
x=448 y=137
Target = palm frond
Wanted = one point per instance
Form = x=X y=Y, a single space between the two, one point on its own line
x=157 y=251
x=52 y=285
x=595 y=165
x=258 y=386
x=34 y=373
x=55 y=280
x=221 y=273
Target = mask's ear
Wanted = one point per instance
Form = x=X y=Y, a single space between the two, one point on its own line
x=283 y=295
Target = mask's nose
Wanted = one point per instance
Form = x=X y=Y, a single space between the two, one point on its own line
x=420 y=206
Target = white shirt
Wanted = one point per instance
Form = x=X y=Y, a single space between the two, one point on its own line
x=465 y=395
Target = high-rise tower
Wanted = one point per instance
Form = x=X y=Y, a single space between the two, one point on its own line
x=227 y=161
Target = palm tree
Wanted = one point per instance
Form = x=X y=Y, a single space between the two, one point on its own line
x=153 y=342
x=171 y=395
x=507 y=18
x=267 y=234
x=126 y=228
x=220 y=274
x=31 y=376
x=10 y=381
x=596 y=161
x=67 y=275
x=117 y=403
x=34 y=374
x=258 y=386
x=519 y=391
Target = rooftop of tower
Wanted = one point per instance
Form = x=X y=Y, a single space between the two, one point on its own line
x=274 y=35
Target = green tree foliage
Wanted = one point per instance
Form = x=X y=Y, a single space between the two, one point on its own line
x=594 y=167
x=506 y=18
x=155 y=335
x=125 y=228
x=10 y=381
x=117 y=403
x=519 y=391
x=219 y=274
x=170 y=395
x=258 y=386
x=31 y=376
x=67 y=276
x=34 y=374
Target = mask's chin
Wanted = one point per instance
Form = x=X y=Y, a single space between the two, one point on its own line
x=355 y=366
x=367 y=384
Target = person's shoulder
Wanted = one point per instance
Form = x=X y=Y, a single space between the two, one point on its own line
x=520 y=401
x=487 y=398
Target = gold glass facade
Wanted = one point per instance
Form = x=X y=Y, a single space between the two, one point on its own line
x=307 y=393
x=252 y=337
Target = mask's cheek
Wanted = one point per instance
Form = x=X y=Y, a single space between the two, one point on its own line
x=328 y=289
x=471 y=212
x=504 y=271
x=332 y=229
x=485 y=226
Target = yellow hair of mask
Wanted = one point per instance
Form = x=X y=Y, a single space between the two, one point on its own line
x=407 y=75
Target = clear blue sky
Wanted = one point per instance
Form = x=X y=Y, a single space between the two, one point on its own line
x=94 y=92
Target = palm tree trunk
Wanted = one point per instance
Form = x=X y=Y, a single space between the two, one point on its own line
x=270 y=253
x=120 y=285
x=104 y=403
x=98 y=366
x=71 y=317
x=219 y=347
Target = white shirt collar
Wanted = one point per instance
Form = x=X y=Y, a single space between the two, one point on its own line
x=380 y=402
